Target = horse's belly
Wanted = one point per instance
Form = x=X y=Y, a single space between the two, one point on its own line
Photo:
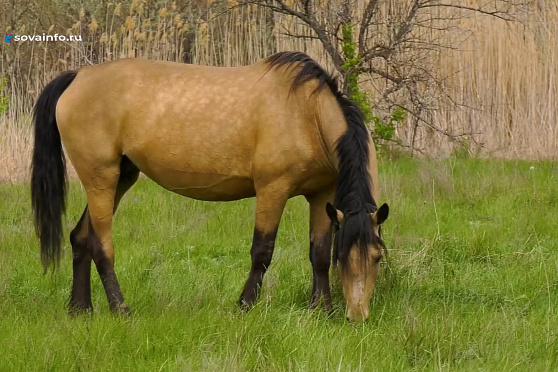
x=212 y=187
x=208 y=185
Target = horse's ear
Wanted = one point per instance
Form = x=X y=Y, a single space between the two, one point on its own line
x=335 y=215
x=381 y=214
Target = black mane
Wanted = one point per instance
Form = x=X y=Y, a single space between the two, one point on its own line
x=353 y=192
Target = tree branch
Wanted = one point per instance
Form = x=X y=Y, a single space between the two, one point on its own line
x=496 y=13
x=367 y=16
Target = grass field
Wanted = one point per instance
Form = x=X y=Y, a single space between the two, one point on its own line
x=471 y=282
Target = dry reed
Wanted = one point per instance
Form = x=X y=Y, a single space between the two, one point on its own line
x=505 y=76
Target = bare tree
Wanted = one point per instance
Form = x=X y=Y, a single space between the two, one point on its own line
x=394 y=42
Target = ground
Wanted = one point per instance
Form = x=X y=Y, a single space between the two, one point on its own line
x=470 y=282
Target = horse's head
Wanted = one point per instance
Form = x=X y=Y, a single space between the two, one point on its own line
x=358 y=250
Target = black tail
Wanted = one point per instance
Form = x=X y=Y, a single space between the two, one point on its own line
x=48 y=171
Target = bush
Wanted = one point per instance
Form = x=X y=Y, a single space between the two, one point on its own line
x=4 y=99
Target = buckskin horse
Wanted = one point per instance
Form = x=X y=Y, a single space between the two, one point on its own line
x=273 y=130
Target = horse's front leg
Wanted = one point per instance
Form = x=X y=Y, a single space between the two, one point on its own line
x=270 y=202
x=320 y=248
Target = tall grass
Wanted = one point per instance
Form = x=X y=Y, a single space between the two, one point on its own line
x=504 y=76
x=470 y=285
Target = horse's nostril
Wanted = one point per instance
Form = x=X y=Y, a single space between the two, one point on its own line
x=348 y=320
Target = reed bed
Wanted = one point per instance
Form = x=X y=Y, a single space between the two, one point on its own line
x=502 y=78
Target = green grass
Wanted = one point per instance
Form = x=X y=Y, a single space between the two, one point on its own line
x=471 y=282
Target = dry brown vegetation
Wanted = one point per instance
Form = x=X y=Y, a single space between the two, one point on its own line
x=501 y=78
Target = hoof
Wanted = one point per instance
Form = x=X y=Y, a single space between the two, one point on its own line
x=122 y=310
x=248 y=299
x=313 y=304
x=245 y=305
x=77 y=309
x=324 y=300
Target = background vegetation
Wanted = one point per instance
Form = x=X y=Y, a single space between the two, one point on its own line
x=433 y=78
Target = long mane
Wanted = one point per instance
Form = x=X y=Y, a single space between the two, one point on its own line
x=353 y=192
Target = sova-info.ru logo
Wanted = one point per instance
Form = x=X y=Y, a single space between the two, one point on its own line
x=8 y=38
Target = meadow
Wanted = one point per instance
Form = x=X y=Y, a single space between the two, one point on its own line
x=469 y=284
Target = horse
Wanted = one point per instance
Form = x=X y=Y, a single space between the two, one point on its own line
x=274 y=130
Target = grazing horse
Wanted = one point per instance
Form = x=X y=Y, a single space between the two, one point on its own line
x=273 y=130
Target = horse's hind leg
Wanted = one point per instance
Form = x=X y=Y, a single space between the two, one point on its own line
x=270 y=202
x=80 y=299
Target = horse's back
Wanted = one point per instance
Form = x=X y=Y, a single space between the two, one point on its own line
x=206 y=132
